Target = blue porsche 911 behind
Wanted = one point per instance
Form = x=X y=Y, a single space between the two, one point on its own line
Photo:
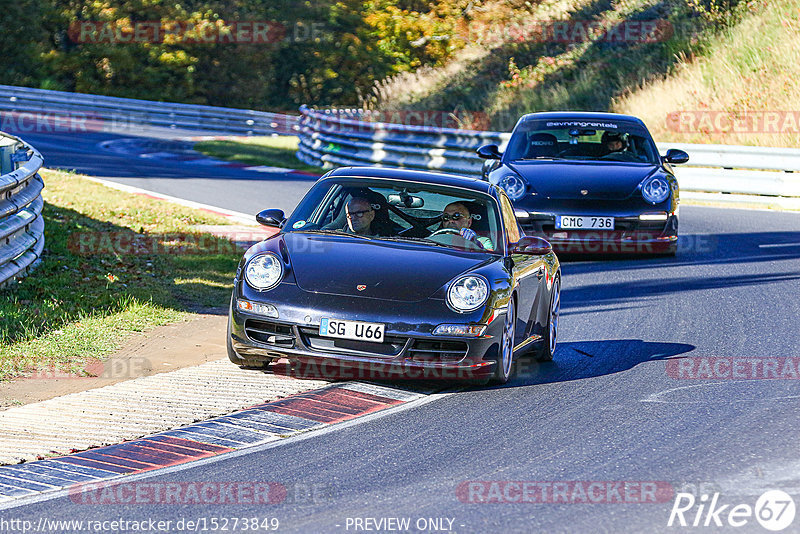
x=589 y=183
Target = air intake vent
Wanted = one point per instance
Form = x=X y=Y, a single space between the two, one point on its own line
x=269 y=333
x=437 y=351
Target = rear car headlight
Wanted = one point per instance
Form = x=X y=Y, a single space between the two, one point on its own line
x=655 y=190
x=513 y=185
x=468 y=293
x=660 y=216
x=263 y=271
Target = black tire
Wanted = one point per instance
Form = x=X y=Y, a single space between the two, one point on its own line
x=505 y=352
x=549 y=345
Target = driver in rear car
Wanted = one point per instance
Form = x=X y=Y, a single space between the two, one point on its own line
x=613 y=142
x=457 y=216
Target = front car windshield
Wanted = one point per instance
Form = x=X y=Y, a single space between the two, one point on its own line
x=373 y=208
x=569 y=139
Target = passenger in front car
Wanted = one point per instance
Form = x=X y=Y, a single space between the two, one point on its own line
x=456 y=215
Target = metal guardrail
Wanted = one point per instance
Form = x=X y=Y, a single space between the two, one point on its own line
x=329 y=138
x=21 y=222
x=333 y=138
x=122 y=114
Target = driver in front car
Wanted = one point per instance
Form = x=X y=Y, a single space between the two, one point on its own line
x=457 y=216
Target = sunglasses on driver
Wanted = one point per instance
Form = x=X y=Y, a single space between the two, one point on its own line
x=457 y=216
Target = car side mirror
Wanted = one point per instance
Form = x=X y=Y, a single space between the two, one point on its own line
x=274 y=218
x=489 y=152
x=676 y=156
x=488 y=166
x=532 y=246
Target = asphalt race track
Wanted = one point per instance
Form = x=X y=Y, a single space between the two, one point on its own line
x=85 y=153
x=606 y=410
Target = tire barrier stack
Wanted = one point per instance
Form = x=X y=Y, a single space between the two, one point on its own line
x=330 y=138
x=21 y=222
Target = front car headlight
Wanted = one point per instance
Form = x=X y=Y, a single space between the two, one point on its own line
x=655 y=189
x=513 y=185
x=264 y=271
x=468 y=293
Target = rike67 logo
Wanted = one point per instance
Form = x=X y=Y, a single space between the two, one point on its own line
x=774 y=510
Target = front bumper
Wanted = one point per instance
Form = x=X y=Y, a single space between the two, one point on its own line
x=630 y=235
x=409 y=349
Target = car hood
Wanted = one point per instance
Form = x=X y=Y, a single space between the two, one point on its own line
x=339 y=265
x=601 y=180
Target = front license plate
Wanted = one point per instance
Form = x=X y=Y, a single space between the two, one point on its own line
x=352 y=330
x=573 y=222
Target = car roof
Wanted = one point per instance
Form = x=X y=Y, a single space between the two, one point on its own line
x=580 y=115
x=410 y=175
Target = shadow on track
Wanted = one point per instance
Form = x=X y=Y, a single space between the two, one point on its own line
x=588 y=359
x=574 y=361
x=698 y=249
x=625 y=292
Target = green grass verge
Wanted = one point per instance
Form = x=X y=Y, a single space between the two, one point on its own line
x=80 y=304
x=751 y=67
x=276 y=151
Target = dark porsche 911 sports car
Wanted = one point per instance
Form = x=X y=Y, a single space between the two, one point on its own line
x=589 y=183
x=418 y=274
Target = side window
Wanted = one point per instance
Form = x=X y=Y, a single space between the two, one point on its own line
x=509 y=219
x=329 y=208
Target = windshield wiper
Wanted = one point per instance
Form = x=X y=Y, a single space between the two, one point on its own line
x=540 y=157
x=416 y=240
x=425 y=241
x=338 y=232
